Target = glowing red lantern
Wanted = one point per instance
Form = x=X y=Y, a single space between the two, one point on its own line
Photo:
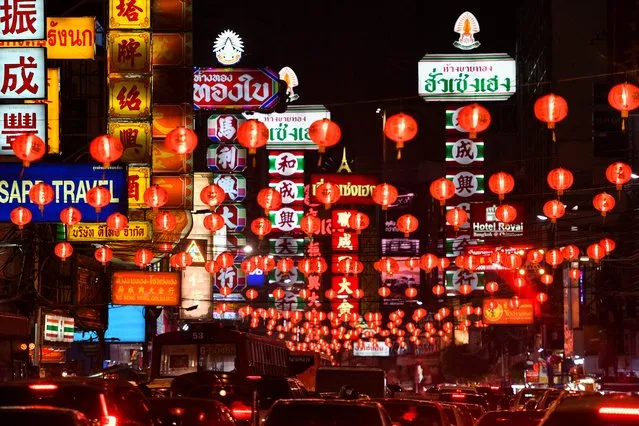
x=596 y=252
x=443 y=263
x=278 y=293
x=63 y=250
x=554 y=209
x=459 y=261
x=269 y=199
x=618 y=174
x=324 y=133
x=465 y=289
x=438 y=290
x=428 y=262
x=574 y=274
x=20 y=216
x=570 y=252
x=285 y=265
x=212 y=267
x=310 y=224
x=603 y=202
x=512 y=261
x=546 y=279
x=412 y=263
x=407 y=223
x=624 y=97
x=388 y=265
x=506 y=213
x=165 y=222
x=551 y=109
x=442 y=189
x=473 y=119
x=384 y=291
x=181 y=140
x=28 y=147
x=213 y=222
x=542 y=297
x=70 y=216
x=212 y=195
x=384 y=194
x=491 y=287
x=117 y=222
x=225 y=260
x=358 y=221
x=327 y=194
x=560 y=179
x=103 y=255
x=182 y=260
x=106 y=149
x=155 y=197
x=534 y=256
x=252 y=134
x=471 y=262
x=608 y=244
x=143 y=257
x=98 y=197
x=501 y=183
x=497 y=257
x=261 y=226
x=165 y=247
x=554 y=257
x=41 y=194
x=456 y=217
x=400 y=128
x=520 y=282
x=251 y=294
x=411 y=292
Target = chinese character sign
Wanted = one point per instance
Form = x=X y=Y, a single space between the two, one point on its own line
x=464 y=152
x=129 y=97
x=223 y=128
x=286 y=219
x=16 y=120
x=129 y=52
x=71 y=38
x=53 y=110
x=344 y=240
x=138 y=181
x=136 y=139
x=145 y=288
x=286 y=164
x=292 y=192
x=467 y=184
x=234 y=185
x=226 y=158
x=234 y=216
x=23 y=73
x=21 y=20
x=129 y=14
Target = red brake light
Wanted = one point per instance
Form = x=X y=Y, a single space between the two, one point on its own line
x=43 y=387
x=459 y=396
x=110 y=421
x=253 y=377
x=241 y=411
x=619 y=411
x=494 y=387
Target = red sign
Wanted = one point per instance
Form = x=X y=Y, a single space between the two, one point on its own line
x=335 y=259
x=354 y=189
x=344 y=240
x=485 y=224
x=340 y=219
x=247 y=89
x=345 y=306
x=344 y=286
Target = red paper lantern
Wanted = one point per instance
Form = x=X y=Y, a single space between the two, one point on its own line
x=501 y=183
x=497 y=257
x=442 y=189
x=143 y=257
x=251 y=294
x=618 y=174
x=28 y=148
x=106 y=149
x=471 y=262
x=456 y=217
x=473 y=119
x=384 y=194
x=384 y=291
x=411 y=292
x=551 y=109
x=213 y=222
x=182 y=260
x=400 y=128
x=534 y=256
x=103 y=255
x=269 y=199
x=459 y=261
x=428 y=262
x=388 y=265
x=70 y=216
x=165 y=221
x=596 y=252
x=20 y=216
x=554 y=209
x=98 y=197
x=225 y=260
x=181 y=140
x=465 y=289
x=560 y=179
x=407 y=223
x=285 y=265
x=412 y=263
x=608 y=244
x=63 y=250
x=554 y=257
x=438 y=290
x=252 y=134
x=358 y=221
x=261 y=226
x=310 y=225
x=491 y=287
x=520 y=282
x=327 y=194
x=512 y=261
x=117 y=222
x=212 y=267
x=574 y=274
x=155 y=197
x=165 y=247
x=506 y=213
x=570 y=252
x=443 y=263
x=278 y=293
x=546 y=279
x=603 y=202
x=212 y=195
x=41 y=194
x=542 y=297
x=348 y=266
x=324 y=133
x=624 y=97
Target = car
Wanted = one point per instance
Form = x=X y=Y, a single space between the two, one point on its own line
x=366 y=380
x=511 y=418
x=467 y=416
x=524 y=395
x=463 y=398
x=550 y=396
x=105 y=402
x=455 y=417
x=413 y=412
x=191 y=412
x=39 y=415
x=321 y=412
x=496 y=396
x=594 y=410
x=475 y=410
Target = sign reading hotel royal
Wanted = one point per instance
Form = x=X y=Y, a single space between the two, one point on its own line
x=466 y=77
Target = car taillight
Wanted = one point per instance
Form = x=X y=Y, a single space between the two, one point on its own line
x=110 y=421
x=43 y=387
x=494 y=387
x=241 y=411
x=459 y=396
x=619 y=411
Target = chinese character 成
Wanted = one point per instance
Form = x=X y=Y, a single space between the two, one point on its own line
x=10 y=82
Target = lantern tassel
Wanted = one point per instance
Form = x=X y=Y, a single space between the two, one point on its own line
x=254 y=162
x=554 y=137
x=399 y=154
x=319 y=160
x=623 y=124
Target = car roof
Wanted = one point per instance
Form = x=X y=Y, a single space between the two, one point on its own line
x=97 y=384
x=350 y=368
x=318 y=401
x=194 y=401
x=407 y=401
x=580 y=403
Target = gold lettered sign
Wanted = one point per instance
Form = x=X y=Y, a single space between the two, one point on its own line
x=139 y=179
x=71 y=38
x=53 y=110
x=172 y=49
x=129 y=52
x=129 y=14
x=88 y=232
x=136 y=139
x=129 y=97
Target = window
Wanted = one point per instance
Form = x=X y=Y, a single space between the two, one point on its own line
x=176 y=360
x=218 y=357
x=129 y=404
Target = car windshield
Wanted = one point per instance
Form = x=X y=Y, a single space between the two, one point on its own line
x=37 y=417
x=413 y=415
x=323 y=415
x=192 y=411
x=527 y=394
x=512 y=418
x=82 y=398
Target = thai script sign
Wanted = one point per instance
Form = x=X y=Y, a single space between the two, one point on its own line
x=366 y=348
x=145 y=288
x=135 y=231
x=23 y=73
x=289 y=130
x=19 y=119
x=505 y=313
x=253 y=89
x=22 y=20
x=71 y=38
x=354 y=189
x=459 y=77
x=129 y=14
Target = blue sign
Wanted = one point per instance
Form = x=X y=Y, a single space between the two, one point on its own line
x=126 y=324
x=70 y=183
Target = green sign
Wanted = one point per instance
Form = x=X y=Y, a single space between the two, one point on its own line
x=467 y=184
x=290 y=191
x=455 y=278
x=464 y=152
x=289 y=130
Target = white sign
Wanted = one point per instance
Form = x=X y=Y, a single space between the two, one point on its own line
x=196 y=290
x=16 y=120
x=466 y=26
x=289 y=130
x=367 y=348
x=472 y=77
x=58 y=328
x=467 y=184
x=22 y=20
x=228 y=48
x=23 y=74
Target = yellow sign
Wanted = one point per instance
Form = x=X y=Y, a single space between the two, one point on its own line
x=139 y=181
x=53 y=110
x=71 y=38
x=136 y=139
x=506 y=311
x=129 y=52
x=87 y=232
x=130 y=97
x=129 y=14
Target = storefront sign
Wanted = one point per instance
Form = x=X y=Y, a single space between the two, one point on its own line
x=145 y=288
x=233 y=184
x=400 y=247
x=23 y=74
x=129 y=97
x=234 y=216
x=486 y=225
x=505 y=313
x=467 y=77
x=466 y=26
x=341 y=219
x=71 y=38
x=168 y=117
x=286 y=246
x=22 y=20
x=286 y=219
x=467 y=184
x=239 y=89
x=232 y=277
x=197 y=250
x=226 y=158
x=228 y=48
x=179 y=188
x=343 y=307
x=164 y=161
x=337 y=258
x=16 y=120
x=292 y=192
x=172 y=49
x=286 y=164
x=344 y=240
x=58 y=329
x=90 y=232
x=289 y=130
x=223 y=127
x=138 y=181
x=70 y=184
x=464 y=152
x=354 y=189
x=366 y=348
x=129 y=14
x=129 y=52
x=196 y=290
x=344 y=286
x=135 y=137
x=459 y=244
x=458 y=277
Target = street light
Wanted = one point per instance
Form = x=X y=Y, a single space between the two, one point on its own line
x=541 y=217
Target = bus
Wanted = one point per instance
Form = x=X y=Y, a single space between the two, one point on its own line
x=303 y=365
x=208 y=347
